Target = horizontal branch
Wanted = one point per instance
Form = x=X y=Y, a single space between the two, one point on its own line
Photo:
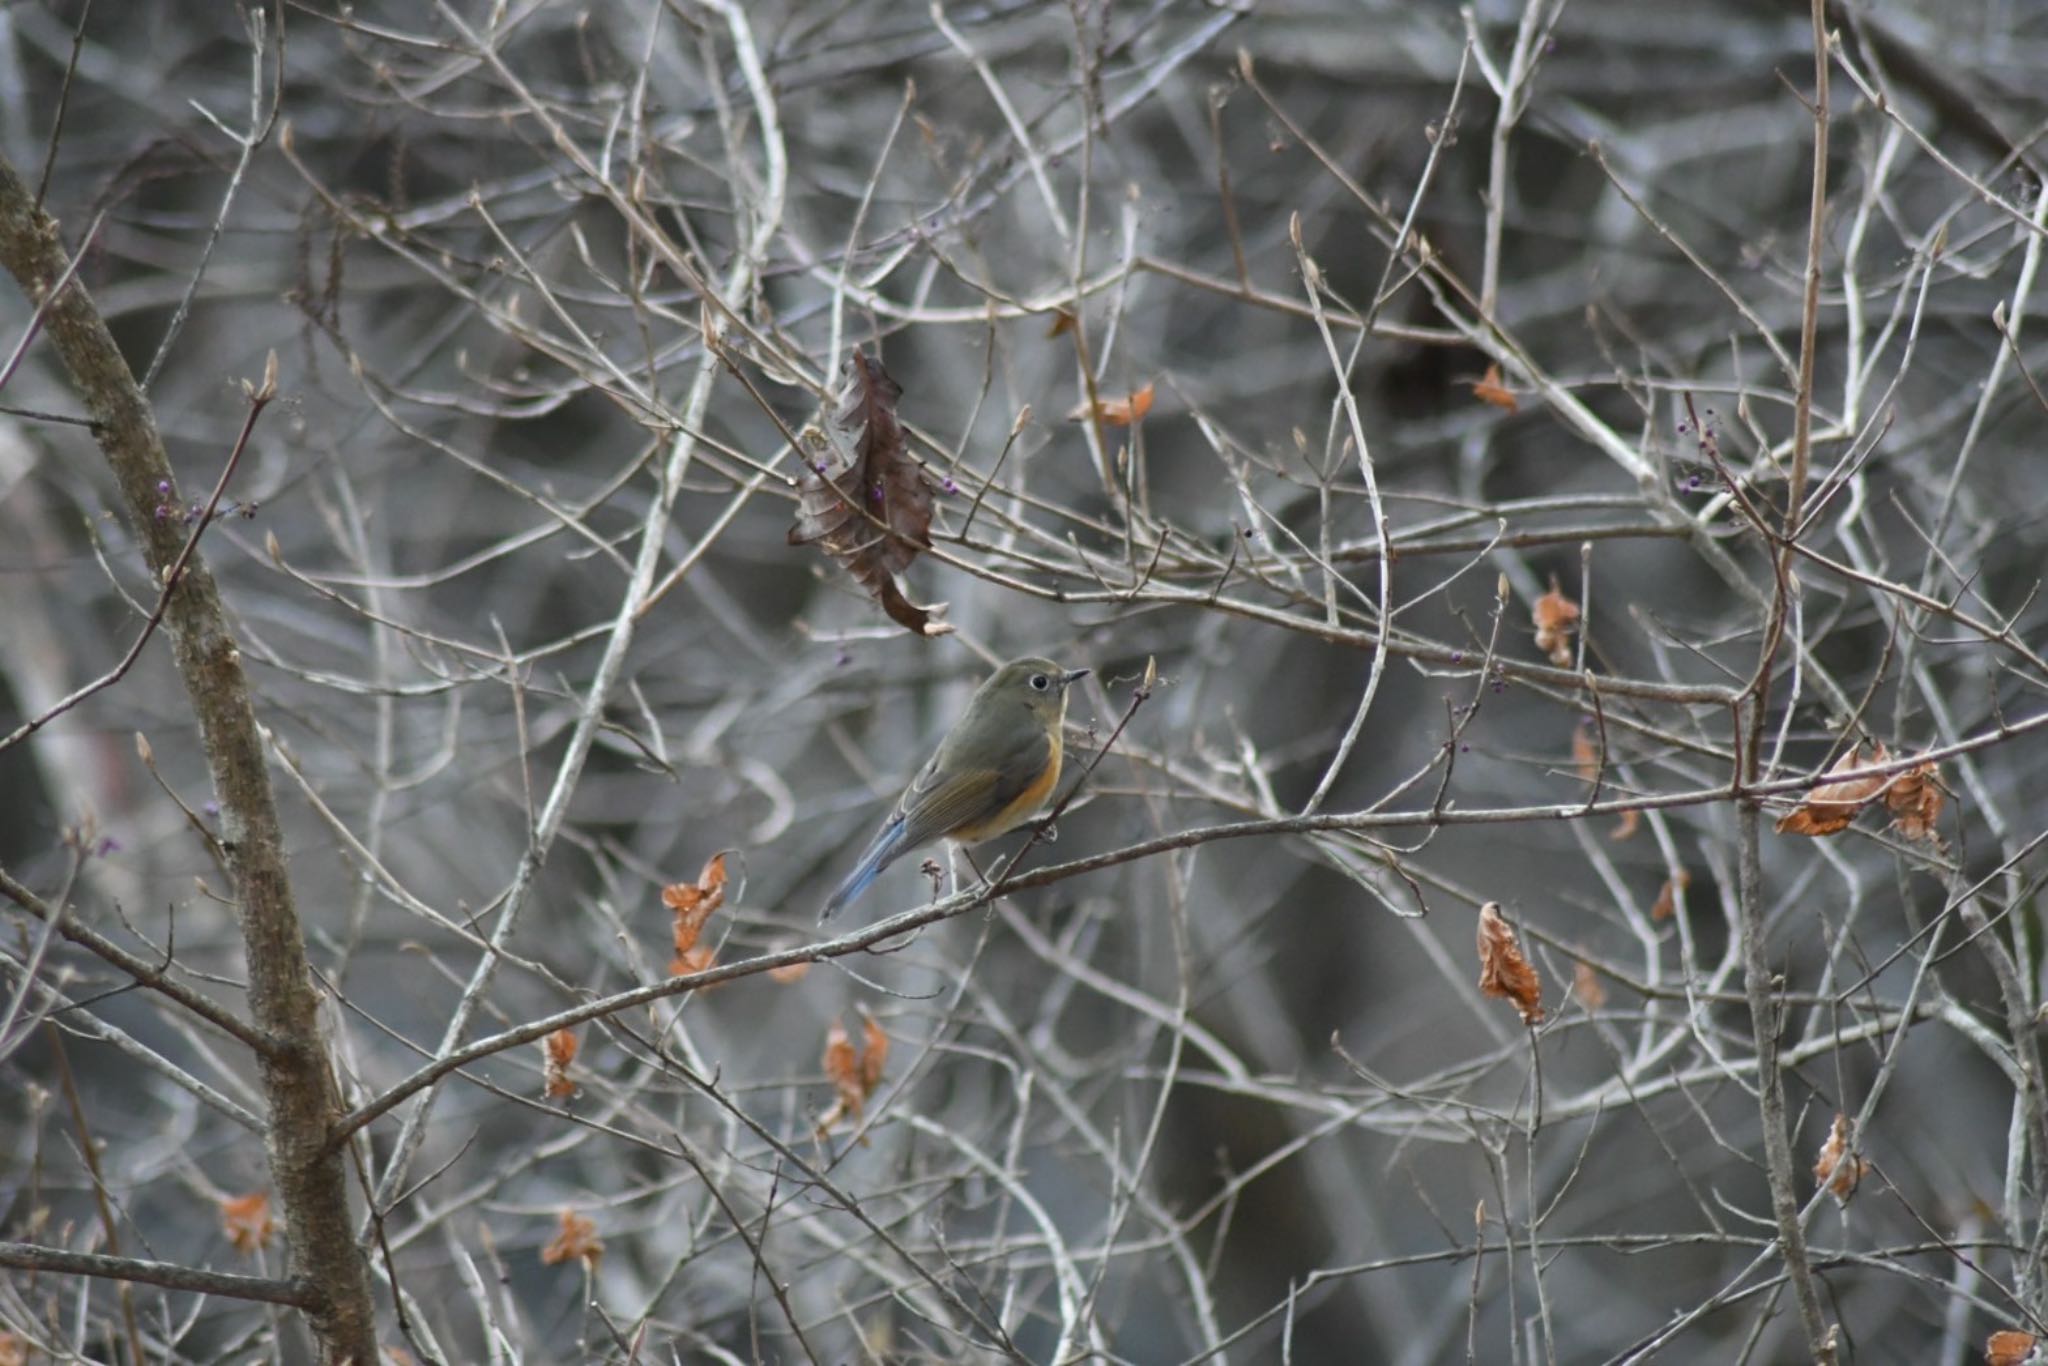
x=169 y=1275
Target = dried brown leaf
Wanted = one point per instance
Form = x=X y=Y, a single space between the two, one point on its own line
x=1837 y=1168
x=789 y=972
x=246 y=1221
x=1671 y=896
x=13 y=1351
x=1587 y=986
x=1062 y=323
x=864 y=501
x=842 y=1069
x=1631 y=820
x=1915 y=803
x=853 y=1072
x=575 y=1241
x=1556 y=617
x=558 y=1050
x=1830 y=807
x=693 y=905
x=1491 y=390
x=2011 y=1347
x=1117 y=412
x=1585 y=754
x=874 y=1053
x=1503 y=970
x=698 y=959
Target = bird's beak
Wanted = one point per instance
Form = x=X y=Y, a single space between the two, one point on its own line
x=1073 y=676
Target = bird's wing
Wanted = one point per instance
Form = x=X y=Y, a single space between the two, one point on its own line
x=935 y=805
x=949 y=794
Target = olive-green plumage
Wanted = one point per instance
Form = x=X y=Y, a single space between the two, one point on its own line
x=994 y=771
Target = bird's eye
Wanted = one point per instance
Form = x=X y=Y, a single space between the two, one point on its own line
x=1040 y=682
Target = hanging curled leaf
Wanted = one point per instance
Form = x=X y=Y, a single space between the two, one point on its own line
x=1838 y=1169
x=1503 y=969
x=1671 y=897
x=1491 y=390
x=558 y=1050
x=853 y=1072
x=864 y=501
x=1555 y=617
x=246 y=1221
x=842 y=1069
x=1585 y=754
x=693 y=906
x=874 y=1053
x=1587 y=986
x=1915 y=803
x=575 y=1241
x=1830 y=807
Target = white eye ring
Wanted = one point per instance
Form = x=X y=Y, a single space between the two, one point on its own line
x=1040 y=682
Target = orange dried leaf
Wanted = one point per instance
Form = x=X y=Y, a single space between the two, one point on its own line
x=1630 y=821
x=694 y=905
x=700 y=959
x=854 y=1073
x=1915 y=803
x=1117 y=412
x=13 y=1351
x=246 y=1221
x=2011 y=1347
x=874 y=1053
x=841 y=1060
x=1830 y=807
x=576 y=1241
x=1503 y=970
x=1585 y=755
x=1837 y=1168
x=842 y=1069
x=1587 y=986
x=1062 y=323
x=1671 y=896
x=789 y=972
x=1556 y=617
x=864 y=500
x=559 y=1050
x=1491 y=390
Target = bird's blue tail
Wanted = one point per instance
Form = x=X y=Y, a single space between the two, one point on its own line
x=881 y=851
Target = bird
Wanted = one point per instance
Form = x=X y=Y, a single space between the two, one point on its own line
x=992 y=773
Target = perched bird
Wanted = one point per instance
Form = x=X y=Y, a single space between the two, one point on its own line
x=993 y=772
